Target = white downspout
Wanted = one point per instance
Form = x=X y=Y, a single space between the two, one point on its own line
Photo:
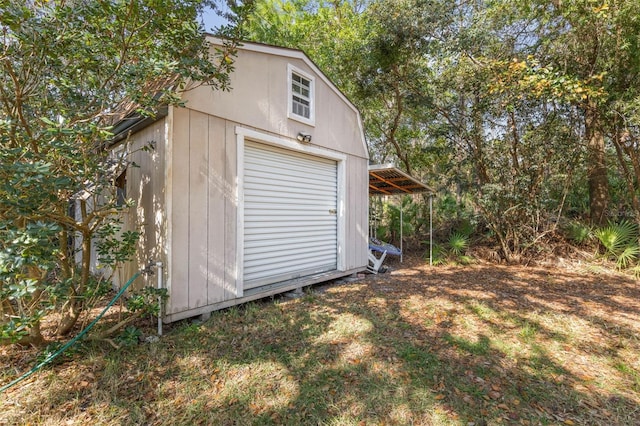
x=159 y=272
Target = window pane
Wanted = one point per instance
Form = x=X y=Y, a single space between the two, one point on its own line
x=301 y=95
x=301 y=107
x=299 y=100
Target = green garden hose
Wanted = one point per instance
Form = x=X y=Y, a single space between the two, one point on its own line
x=72 y=341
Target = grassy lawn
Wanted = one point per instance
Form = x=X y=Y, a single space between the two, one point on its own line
x=476 y=345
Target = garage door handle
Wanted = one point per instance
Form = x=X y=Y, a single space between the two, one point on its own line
x=333 y=211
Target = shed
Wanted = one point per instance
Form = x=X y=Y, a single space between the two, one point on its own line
x=251 y=192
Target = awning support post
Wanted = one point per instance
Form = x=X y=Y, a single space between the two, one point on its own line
x=430 y=229
x=401 y=250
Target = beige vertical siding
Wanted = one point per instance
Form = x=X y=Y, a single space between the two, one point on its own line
x=357 y=212
x=231 y=212
x=179 y=221
x=203 y=221
x=146 y=187
x=219 y=190
x=198 y=193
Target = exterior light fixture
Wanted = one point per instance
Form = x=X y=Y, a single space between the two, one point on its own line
x=304 y=137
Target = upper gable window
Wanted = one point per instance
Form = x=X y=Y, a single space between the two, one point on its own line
x=301 y=96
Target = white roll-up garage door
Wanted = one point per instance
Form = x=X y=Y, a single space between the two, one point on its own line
x=290 y=220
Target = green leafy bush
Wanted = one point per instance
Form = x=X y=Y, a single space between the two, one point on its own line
x=438 y=254
x=391 y=219
x=577 y=232
x=58 y=204
x=620 y=242
x=130 y=336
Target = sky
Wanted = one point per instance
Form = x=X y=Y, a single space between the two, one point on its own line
x=211 y=20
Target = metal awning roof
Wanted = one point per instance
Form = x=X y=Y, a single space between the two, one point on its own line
x=386 y=179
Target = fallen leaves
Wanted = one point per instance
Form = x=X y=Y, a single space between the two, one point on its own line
x=494 y=395
x=441 y=342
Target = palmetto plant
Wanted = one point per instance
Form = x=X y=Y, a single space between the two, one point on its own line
x=458 y=243
x=620 y=242
x=452 y=250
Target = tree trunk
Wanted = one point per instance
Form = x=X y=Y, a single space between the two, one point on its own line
x=74 y=305
x=596 y=168
x=625 y=147
x=35 y=338
x=69 y=319
x=478 y=143
x=515 y=143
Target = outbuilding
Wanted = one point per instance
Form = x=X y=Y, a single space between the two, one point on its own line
x=250 y=192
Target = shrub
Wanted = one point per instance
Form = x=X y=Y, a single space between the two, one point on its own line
x=620 y=242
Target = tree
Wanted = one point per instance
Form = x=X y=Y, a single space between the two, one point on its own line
x=373 y=52
x=68 y=71
x=524 y=107
x=593 y=48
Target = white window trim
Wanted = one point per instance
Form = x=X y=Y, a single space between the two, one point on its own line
x=312 y=96
x=243 y=133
